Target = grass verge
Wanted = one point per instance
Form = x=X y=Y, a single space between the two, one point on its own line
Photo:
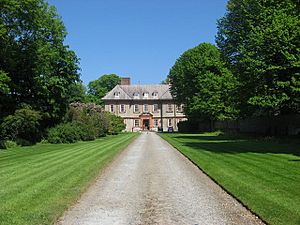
x=38 y=183
x=263 y=174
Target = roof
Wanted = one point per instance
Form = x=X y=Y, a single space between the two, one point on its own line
x=136 y=92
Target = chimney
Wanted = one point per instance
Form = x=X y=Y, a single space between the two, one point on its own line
x=125 y=80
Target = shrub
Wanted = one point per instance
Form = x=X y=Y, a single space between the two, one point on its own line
x=22 y=125
x=116 y=124
x=5 y=144
x=64 y=133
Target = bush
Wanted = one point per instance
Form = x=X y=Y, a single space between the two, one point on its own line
x=116 y=124
x=6 y=144
x=64 y=133
x=87 y=132
x=23 y=125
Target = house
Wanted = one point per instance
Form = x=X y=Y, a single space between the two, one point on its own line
x=144 y=107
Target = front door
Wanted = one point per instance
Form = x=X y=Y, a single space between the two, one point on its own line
x=146 y=124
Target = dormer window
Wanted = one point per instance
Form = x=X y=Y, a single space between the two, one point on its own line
x=136 y=95
x=155 y=94
x=146 y=94
x=117 y=94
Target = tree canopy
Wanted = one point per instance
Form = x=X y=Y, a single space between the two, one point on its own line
x=261 y=40
x=97 y=89
x=36 y=68
x=200 y=80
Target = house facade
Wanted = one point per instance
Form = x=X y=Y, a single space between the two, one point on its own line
x=144 y=107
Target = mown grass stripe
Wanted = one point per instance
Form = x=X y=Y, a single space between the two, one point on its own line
x=43 y=195
x=51 y=162
x=264 y=175
x=47 y=173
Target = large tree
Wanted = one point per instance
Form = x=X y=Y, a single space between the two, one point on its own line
x=200 y=80
x=261 y=40
x=97 y=89
x=36 y=67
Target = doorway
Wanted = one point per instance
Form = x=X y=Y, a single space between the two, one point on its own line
x=146 y=124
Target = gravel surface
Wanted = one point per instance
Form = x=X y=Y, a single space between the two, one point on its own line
x=152 y=183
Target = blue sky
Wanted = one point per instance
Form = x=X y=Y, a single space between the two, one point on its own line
x=140 y=39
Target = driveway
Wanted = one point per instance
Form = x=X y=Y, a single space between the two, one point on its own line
x=152 y=183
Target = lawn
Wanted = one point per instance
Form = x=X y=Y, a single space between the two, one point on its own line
x=38 y=183
x=263 y=174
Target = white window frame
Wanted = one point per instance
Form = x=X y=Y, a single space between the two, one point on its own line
x=111 y=108
x=136 y=108
x=117 y=94
x=146 y=95
x=146 y=108
x=136 y=95
x=122 y=108
x=170 y=123
x=155 y=94
x=179 y=108
x=170 y=108
x=154 y=108
x=136 y=123
x=155 y=122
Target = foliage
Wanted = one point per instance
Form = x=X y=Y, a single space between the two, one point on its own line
x=97 y=89
x=187 y=126
x=85 y=121
x=77 y=92
x=4 y=82
x=6 y=144
x=47 y=179
x=64 y=133
x=261 y=41
x=89 y=115
x=116 y=124
x=200 y=80
x=23 y=126
x=40 y=67
x=261 y=174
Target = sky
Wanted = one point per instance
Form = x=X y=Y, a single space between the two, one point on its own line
x=140 y=39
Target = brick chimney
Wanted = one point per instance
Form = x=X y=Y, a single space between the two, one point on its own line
x=125 y=80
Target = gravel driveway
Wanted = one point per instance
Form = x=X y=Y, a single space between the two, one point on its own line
x=152 y=183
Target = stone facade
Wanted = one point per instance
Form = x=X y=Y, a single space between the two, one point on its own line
x=144 y=107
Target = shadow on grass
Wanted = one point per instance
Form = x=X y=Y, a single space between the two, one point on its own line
x=236 y=145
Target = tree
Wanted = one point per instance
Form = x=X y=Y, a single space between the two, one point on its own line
x=40 y=67
x=200 y=80
x=77 y=93
x=97 y=89
x=261 y=40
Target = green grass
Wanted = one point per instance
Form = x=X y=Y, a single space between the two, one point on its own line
x=263 y=174
x=38 y=183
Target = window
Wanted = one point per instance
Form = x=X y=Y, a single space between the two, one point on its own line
x=146 y=95
x=155 y=108
x=179 y=108
x=156 y=123
x=136 y=95
x=122 y=108
x=136 y=123
x=169 y=122
x=155 y=94
x=136 y=108
x=146 y=108
x=170 y=108
x=112 y=108
x=117 y=94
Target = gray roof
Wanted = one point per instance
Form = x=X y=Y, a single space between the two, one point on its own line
x=127 y=92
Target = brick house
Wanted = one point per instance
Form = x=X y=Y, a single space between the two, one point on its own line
x=144 y=107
